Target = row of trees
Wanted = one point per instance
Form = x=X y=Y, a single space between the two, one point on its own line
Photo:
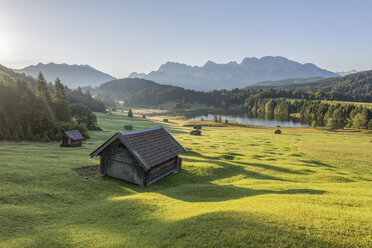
x=316 y=113
x=39 y=113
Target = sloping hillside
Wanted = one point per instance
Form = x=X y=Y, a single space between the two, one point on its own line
x=141 y=92
x=358 y=86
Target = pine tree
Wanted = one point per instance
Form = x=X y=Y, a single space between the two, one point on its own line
x=88 y=94
x=130 y=114
x=360 y=121
x=331 y=123
x=43 y=89
x=61 y=103
x=369 y=124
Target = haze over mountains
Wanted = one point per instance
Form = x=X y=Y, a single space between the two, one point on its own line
x=345 y=73
x=233 y=75
x=265 y=71
x=70 y=75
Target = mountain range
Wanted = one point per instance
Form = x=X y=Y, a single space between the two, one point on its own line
x=232 y=75
x=70 y=75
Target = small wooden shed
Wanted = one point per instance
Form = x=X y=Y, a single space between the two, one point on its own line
x=128 y=127
x=71 y=139
x=140 y=157
x=195 y=132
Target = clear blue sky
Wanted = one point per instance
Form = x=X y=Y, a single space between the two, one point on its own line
x=120 y=37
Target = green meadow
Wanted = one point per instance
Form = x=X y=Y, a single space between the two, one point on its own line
x=239 y=187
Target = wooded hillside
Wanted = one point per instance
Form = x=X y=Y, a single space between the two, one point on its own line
x=38 y=111
x=357 y=87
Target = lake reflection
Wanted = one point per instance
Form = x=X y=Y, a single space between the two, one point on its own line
x=267 y=122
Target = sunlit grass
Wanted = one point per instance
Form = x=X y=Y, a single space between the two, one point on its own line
x=239 y=186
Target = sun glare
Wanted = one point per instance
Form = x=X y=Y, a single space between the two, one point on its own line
x=4 y=47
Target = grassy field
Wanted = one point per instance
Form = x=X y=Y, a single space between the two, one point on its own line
x=366 y=104
x=239 y=187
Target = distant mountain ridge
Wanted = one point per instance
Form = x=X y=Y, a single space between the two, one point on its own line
x=233 y=75
x=70 y=75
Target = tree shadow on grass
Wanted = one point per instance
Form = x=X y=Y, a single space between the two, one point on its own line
x=315 y=163
x=224 y=170
x=191 y=185
x=271 y=167
x=208 y=192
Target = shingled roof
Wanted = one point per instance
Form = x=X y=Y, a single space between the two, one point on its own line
x=74 y=135
x=150 y=146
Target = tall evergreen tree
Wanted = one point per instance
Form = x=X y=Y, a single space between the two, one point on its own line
x=60 y=102
x=43 y=89
x=130 y=113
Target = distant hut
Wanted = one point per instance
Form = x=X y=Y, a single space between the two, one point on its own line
x=71 y=139
x=197 y=127
x=278 y=131
x=128 y=127
x=140 y=157
x=195 y=132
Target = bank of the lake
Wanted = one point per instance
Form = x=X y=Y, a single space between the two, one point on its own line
x=267 y=122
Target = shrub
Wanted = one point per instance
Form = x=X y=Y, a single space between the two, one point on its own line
x=314 y=124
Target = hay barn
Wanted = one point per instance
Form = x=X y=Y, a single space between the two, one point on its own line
x=140 y=157
x=71 y=139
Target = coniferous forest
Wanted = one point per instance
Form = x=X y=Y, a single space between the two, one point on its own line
x=37 y=111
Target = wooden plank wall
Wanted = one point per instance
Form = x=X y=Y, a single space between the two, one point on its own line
x=118 y=162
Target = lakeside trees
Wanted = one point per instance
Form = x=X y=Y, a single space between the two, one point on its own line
x=315 y=113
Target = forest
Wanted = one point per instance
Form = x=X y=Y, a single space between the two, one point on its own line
x=37 y=111
x=353 y=87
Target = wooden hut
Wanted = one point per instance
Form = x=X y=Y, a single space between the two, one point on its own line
x=195 y=132
x=128 y=127
x=141 y=157
x=71 y=139
x=278 y=131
